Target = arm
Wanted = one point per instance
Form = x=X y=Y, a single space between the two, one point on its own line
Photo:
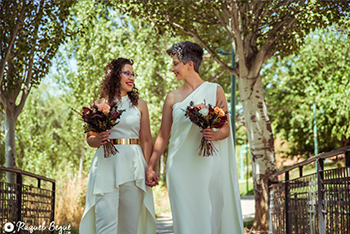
x=146 y=140
x=161 y=141
x=224 y=132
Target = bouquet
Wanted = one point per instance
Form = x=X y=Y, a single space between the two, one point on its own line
x=206 y=117
x=100 y=118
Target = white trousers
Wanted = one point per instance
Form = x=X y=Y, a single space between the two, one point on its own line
x=119 y=210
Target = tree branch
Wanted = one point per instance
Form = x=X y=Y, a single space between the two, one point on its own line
x=212 y=53
x=263 y=53
x=12 y=40
x=259 y=13
x=216 y=77
x=2 y=96
x=237 y=27
x=235 y=19
x=224 y=23
x=27 y=86
x=234 y=28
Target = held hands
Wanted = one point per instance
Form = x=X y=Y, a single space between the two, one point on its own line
x=151 y=177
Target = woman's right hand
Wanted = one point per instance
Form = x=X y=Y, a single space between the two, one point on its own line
x=97 y=139
x=151 y=177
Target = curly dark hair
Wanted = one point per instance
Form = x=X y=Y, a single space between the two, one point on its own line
x=110 y=86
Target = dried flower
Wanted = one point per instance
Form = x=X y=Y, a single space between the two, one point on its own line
x=104 y=107
x=204 y=111
x=206 y=117
x=219 y=111
x=101 y=118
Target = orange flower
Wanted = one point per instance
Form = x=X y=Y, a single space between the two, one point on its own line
x=104 y=108
x=219 y=111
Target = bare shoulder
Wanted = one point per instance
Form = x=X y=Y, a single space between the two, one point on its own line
x=220 y=94
x=219 y=90
x=141 y=105
x=170 y=99
x=220 y=97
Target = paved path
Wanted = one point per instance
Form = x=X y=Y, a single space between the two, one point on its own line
x=165 y=223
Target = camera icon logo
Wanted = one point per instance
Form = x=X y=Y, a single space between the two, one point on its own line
x=9 y=227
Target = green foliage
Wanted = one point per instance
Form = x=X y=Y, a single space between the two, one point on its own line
x=45 y=142
x=317 y=74
x=32 y=33
x=275 y=26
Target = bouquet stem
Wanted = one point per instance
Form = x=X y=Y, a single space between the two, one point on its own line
x=109 y=149
x=206 y=148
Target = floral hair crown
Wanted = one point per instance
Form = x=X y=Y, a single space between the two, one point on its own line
x=177 y=49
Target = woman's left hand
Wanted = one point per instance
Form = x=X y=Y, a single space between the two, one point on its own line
x=209 y=134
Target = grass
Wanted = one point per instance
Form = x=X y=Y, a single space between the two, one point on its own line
x=70 y=201
x=243 y=188
x=161 y=200
x=248 y=224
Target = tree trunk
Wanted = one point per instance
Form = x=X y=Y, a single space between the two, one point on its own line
x=10 y=145
x=261 y=145
x=12 y=112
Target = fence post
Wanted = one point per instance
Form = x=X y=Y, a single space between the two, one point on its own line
x=347 y=158
x=320 y=192
x=39 y=183
x=53 y=204
x=300 y=171
x=19 y=197
x=287 y=203
x=269 y=184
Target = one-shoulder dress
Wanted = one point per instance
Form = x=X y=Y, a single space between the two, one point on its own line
x=203 y=191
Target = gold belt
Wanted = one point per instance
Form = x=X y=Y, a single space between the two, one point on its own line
x=124 y=141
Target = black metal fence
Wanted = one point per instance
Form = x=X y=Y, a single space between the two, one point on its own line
x=314 y=203
x=28 y=205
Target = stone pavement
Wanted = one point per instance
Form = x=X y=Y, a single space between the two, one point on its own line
x=165 y=223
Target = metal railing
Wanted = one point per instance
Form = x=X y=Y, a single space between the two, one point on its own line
x=314 y=203
x=29 y=203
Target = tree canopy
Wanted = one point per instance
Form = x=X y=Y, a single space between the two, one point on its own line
x=253 y=28
x=31 y=34
x=317 y=74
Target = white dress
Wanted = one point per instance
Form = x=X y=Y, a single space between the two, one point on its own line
x=107 y=174
x=203 y=191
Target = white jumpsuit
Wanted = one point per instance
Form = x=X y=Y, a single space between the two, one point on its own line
x=111 y=179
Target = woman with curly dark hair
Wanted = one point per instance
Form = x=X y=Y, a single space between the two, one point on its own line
x=117 y=200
